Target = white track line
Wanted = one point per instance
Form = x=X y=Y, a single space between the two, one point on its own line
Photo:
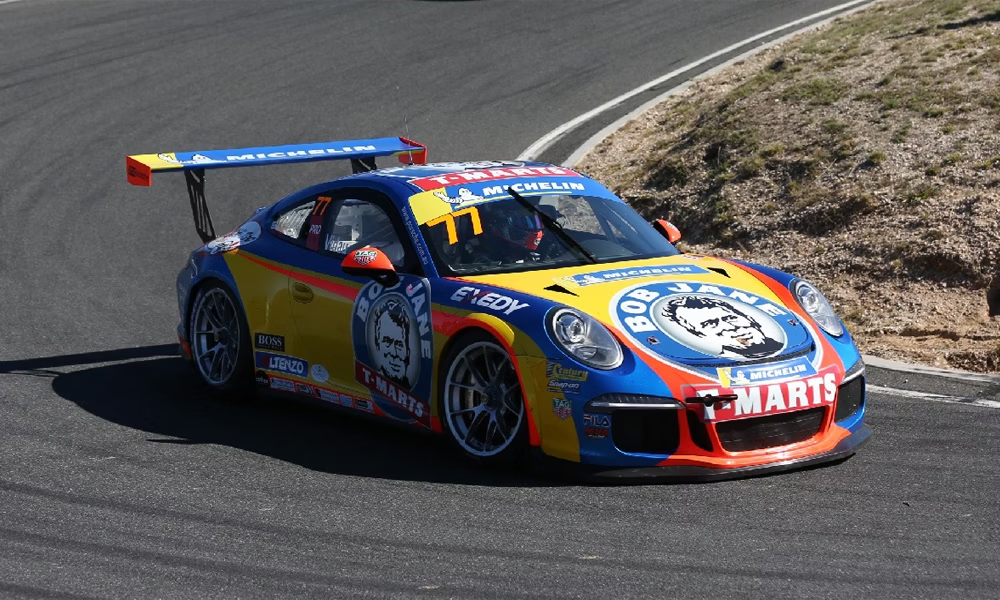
x=10 y=1
x=548 y=139
x=935 y=397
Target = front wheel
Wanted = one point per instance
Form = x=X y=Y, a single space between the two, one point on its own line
x=220 y=340
x=482 y=403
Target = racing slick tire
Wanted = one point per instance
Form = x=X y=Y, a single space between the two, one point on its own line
x=481 y=402
x=220 y=340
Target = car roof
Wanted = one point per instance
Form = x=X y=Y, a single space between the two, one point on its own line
x=452 y=171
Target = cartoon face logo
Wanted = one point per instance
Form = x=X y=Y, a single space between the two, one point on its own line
x=464 y=195
x=247 y=233
x=392 y=333
x=719 y=326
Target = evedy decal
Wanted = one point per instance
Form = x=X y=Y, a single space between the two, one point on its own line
x=394 y=346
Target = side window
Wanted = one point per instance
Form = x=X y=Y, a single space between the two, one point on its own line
x=292 y=223
x=360 y=223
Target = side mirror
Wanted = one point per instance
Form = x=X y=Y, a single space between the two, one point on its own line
x=667 y=230
x=370 y=262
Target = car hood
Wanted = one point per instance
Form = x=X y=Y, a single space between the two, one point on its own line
x=688 y=309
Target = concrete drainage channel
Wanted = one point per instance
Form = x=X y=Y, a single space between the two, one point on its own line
x=568 y=143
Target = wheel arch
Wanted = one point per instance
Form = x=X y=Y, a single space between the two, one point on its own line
x=197 y=286
x=505 y=336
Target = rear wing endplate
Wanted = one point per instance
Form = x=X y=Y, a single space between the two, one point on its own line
x=361 y=153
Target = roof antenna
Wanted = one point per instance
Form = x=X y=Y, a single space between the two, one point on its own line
x=406 y=127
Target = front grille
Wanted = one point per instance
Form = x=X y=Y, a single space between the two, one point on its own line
x=850 y=397
x=698 y=431
x=645 y=431
x=767 y=432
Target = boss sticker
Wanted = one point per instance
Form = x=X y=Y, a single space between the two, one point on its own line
x=675 y=318
x=266 y=341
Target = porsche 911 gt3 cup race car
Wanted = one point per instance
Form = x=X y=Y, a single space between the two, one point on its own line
x=513 y=307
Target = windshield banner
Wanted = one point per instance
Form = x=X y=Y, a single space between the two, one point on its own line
x=435 y=203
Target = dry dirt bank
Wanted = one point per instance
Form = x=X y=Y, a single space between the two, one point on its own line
x=864 y=156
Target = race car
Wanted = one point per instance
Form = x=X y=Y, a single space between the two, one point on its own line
x=520 y=309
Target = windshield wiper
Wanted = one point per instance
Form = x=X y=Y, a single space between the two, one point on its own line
x=552 y=224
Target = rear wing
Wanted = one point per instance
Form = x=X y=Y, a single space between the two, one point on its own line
x=361 y=153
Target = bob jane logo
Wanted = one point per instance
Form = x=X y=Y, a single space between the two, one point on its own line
x=713 y=320
x=394 y=344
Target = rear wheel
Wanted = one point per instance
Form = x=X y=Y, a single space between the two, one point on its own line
x=482 y=403
x=220 y=339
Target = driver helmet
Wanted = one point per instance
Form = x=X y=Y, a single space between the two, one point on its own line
x=521 y=230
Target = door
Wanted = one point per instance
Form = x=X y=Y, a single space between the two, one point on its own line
x=371 y=345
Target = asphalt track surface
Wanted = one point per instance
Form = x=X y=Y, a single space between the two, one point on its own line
x=120 y=477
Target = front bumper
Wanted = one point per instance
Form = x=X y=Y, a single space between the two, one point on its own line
x=680 y=473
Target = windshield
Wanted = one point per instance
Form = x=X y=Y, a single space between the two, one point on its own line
x=555 y=231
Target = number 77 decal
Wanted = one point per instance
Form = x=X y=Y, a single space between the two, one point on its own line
x=449 y=220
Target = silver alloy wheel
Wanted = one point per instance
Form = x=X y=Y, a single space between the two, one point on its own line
x=215 y=336
x=483 y=403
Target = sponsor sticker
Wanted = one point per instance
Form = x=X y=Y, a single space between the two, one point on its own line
x=364 y=405
x=364 y=257
x=712 y=320
x=246 y=234
x=282 y=364
x=319 y=373
x=261 y=379
x=557 y=370
x=305 y=388
x=487 y=299
x=464 y=195
x=768 y=399
x=562 y=407
x=481 y=175
x=596 y=425
x=566 y=387
x=564 y=379
x=586 y=279
x=347 y=400
x=394 y=345
x=777 y=371
x=328 y=396
x=285 y=385
x=267 y=341
x=396 y=394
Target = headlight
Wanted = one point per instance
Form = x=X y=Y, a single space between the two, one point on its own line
x=584 y=339
x=814 y=303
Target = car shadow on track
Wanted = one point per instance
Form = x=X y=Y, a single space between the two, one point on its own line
x=162 y=396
